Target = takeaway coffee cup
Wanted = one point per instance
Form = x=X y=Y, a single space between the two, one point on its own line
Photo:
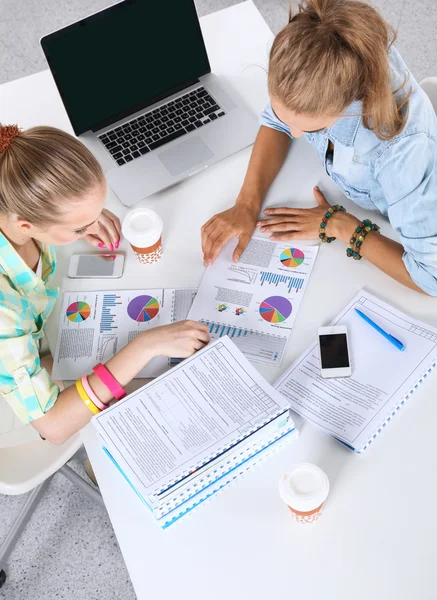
x=142 y=228
x=304 y=489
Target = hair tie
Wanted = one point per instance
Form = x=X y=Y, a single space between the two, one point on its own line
x=7 y=134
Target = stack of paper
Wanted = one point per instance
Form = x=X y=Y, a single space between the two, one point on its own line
x=183 y=437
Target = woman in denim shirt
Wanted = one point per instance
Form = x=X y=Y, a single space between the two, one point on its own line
x=335 y=78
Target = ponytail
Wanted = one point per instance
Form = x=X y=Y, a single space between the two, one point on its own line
x=331 y=53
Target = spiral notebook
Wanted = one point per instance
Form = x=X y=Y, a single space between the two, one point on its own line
x=185 y=435
x=356 y=409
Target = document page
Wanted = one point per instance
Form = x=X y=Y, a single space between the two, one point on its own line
x=173 y=425
x=94 y=326
x=354 y=409
x=255 y=301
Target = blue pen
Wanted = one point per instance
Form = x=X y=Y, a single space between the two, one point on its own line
x=397 y=343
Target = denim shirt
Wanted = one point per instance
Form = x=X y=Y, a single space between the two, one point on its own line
x=397 y=177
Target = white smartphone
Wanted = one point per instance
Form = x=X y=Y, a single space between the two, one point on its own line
x=334 y=352
x=96 y=266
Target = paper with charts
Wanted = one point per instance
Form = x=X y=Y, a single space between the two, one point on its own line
x=255 y=301
x=94 y=326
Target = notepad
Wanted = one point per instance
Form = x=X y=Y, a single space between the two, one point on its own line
x=356 y=409
x=189 y=433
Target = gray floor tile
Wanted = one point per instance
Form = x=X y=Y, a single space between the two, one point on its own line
x=417 y=41
x=391 y=10
x=68 y=549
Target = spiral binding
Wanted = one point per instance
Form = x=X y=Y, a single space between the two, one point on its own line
x=406 y=397
x=217 y=452
x=209 y=479
x=249 y=465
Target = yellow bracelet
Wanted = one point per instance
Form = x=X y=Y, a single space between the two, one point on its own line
x=85 y=398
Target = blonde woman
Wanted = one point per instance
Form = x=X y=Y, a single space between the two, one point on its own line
x=335 y=78
x=52 y=192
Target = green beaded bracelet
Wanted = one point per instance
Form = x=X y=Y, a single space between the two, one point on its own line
x=323 y=224
x=358 y=237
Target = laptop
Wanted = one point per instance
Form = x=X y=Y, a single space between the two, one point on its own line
x=137 y=86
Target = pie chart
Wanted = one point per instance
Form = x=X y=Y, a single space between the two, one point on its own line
x=78 y=312
x=143 y=308
x=292 y=257
x=275 y=309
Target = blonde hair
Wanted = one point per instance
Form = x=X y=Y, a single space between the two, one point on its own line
x=40 y=169
x=331 y=53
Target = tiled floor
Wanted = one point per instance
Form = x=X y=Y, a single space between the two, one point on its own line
x=69 y=549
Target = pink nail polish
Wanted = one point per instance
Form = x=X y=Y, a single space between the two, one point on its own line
x=111 y=247
x=117 y=244
x=101 y=245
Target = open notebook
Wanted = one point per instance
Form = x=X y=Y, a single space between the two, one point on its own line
x=356 y=409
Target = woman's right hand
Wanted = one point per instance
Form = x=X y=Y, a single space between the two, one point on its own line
x=178 y=340
x=239 y=221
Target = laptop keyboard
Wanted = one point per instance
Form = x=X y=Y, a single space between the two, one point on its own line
x=164 y=124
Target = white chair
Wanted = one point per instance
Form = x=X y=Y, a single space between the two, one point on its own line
x=429 y=85
x=28 y=463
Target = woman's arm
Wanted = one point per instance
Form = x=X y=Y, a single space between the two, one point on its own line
x=268 y=154
x=304 y=224
x=384 y=253
x=69 y=413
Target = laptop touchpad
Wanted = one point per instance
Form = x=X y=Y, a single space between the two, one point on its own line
x=188 y=154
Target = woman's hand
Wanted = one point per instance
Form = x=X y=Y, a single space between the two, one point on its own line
x=178 y=340
x=295 y=223
x=109 y=231
x=238 y=221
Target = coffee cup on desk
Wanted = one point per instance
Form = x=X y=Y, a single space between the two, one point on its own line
x=142 y=227
x=304 y=489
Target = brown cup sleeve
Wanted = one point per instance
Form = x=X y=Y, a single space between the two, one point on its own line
x=149 y=249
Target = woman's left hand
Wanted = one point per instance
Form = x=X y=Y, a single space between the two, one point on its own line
x=109 y=231
x=295 y=223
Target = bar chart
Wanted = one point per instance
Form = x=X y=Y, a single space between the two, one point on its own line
x=292 y=283
x=255 y=345
x=108 y=316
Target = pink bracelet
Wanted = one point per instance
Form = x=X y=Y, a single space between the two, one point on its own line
x=111 y=383
x=91 y=395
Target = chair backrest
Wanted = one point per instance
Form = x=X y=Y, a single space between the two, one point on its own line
x=429 y=85
x=25 y=459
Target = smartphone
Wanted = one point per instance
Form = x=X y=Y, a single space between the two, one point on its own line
x=96 y=266
x=334 y=352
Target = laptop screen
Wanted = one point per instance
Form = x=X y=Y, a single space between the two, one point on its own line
x=125 y=58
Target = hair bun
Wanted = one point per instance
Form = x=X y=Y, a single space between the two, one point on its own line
x=7 y=134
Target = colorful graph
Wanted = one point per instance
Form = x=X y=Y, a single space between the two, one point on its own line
x=107 y=318
x=275 y=309
x=78 y=312
x=143 y=308
x=255 y=345
x=295 y=283
x=222 y=308
x=292 y=257
x=239 y=311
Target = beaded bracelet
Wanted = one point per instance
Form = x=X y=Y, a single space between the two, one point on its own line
x=358 y=236
x=323 y=224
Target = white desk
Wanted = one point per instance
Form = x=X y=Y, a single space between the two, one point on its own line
x=378 y=535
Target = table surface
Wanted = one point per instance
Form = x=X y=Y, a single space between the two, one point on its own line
x=377 y=537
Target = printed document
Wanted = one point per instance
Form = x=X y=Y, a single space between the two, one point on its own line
x=255 y=301
x=195 y=411
x=94 y=326
x=355 y=409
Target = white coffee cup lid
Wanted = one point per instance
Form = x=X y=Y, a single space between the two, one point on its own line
x=142 y=227
x=305 y=487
